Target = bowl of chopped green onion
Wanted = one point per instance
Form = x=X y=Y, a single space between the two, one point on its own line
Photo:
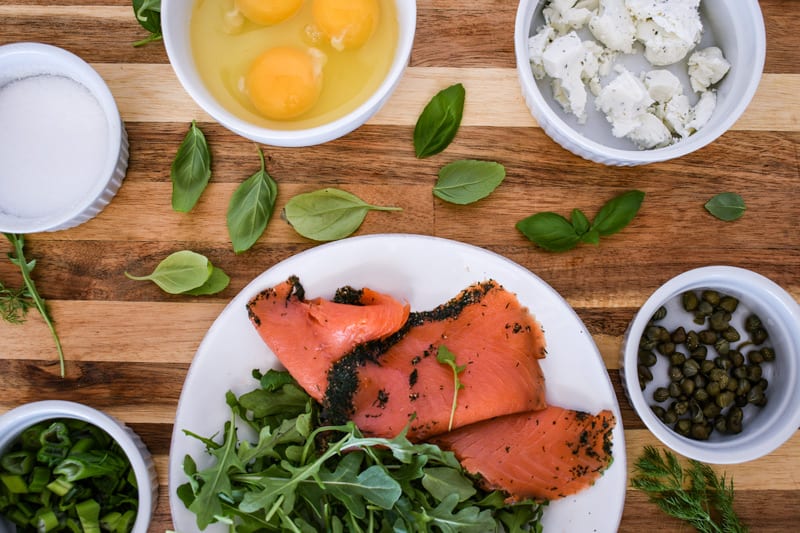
x=65 y=466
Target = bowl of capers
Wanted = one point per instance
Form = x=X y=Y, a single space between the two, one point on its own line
x=711 y=364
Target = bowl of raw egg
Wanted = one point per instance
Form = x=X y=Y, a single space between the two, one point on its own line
x=289 y=72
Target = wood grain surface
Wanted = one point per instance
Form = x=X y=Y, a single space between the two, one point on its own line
x=128 y=345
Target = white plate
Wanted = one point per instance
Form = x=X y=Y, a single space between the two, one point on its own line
x=425 y=271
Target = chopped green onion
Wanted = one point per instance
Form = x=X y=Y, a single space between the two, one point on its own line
x=18 y=462
x=89 y=515
x=15 y=483
x=45 y=521
x=59 y=486
x=91 y=464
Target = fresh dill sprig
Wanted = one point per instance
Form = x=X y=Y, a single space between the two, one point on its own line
x=695 y=494
x=14 y=304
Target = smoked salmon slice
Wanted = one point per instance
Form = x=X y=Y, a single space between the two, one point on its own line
x=309 y=336
x=541 y=455
x=388 y=385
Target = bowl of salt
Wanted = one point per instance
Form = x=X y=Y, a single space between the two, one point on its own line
x=63 y=145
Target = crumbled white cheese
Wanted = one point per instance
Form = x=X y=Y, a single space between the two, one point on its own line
x=536 y=47
x=662 y=85
x=614 y=26
x=707 y=67
x=566 y=15
x=563 y=61
x=702 y=111
x=669 y=29
x=624 y=100
x=675 y=113
x=650 y=133
x=597 y=63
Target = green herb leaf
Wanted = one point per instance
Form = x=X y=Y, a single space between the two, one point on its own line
x=148 y=13
x=251 y=207
x=17 y=257
x=328 y=214
x=694 y=494
x=579 y=222
x=448 y=358
x=466 y=181
x=439 y=122
x=180 y=272
x=14 y=304
x=617 y=212
x=216 y=282
x=191 y=170
x=727 y=206
x=442 y=481
x=549 y=230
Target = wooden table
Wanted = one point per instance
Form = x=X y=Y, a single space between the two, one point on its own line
x=128 y=345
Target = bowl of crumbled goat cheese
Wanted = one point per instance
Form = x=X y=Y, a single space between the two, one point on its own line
x=630 y=82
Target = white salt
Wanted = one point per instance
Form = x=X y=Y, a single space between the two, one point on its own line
x=53 y=145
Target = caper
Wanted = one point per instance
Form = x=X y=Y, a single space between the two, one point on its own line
x=687 y=386
x=699 y=353
x=754 y=373
x=741 y=400
x=713 y=388
x=755 y=395
x=725 y=399
x=690 y=368
x=723 y=362
x=718 y=375
x=681 y=408
x=645 y=375
x=722 y=346
x=721 y=424
x=670 y=417
x=658 y=411
x=752 y=323
x=730 y=334
x=696 y=412
x=711 y=410
x=759 y=336
x=689 y=300
x=755 y=356
x=675 y=373
x=763 y=383
x=701 y=395
x=719 y=320
x=768 y=353
x=653 y=332
x=660 y=313
x=710 y=296
x=679 y=335
x=692 y=340
x=666 y=348
x=700 y=381
x=674 y=389
x=728 y=303
x=647 y=344
x=661 y=394
x=736 y=358
x=647 y=358
x=677 y=358
x=735 y=416
x=700 y=431
x=704 y=309
x=707 y=365
x=707 y=336
x=733 y=384
x=740 y=373
x=683 y=427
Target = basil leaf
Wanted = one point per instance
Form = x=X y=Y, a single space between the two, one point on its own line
x=179 y=272
x=727 y=206
x=438 y=124
x=579 y=221
x=250 y=208
x=466 y=181
x=618 y=212
x=216 y=282
x=328 y=214
x=190 y=170
x=148 y=14
x=549 y=230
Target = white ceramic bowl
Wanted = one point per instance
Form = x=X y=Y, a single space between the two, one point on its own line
x=14 y=422
x=175 y=19
x=735 y=26
x=20 y=61
x=765 y=428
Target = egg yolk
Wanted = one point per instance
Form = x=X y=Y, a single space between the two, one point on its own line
x=268 y=12
x=347 y=23
x=285 y=82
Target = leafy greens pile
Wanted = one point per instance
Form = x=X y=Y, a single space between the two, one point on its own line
x=301 y=477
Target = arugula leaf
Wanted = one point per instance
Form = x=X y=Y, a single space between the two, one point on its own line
x=439 y=121
x=466 y=181
x=448 y=358
x=555 y=233
x=328 y=214
x=191 y=170
x=466 y=520
x=727 y=206
x=251 y=207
